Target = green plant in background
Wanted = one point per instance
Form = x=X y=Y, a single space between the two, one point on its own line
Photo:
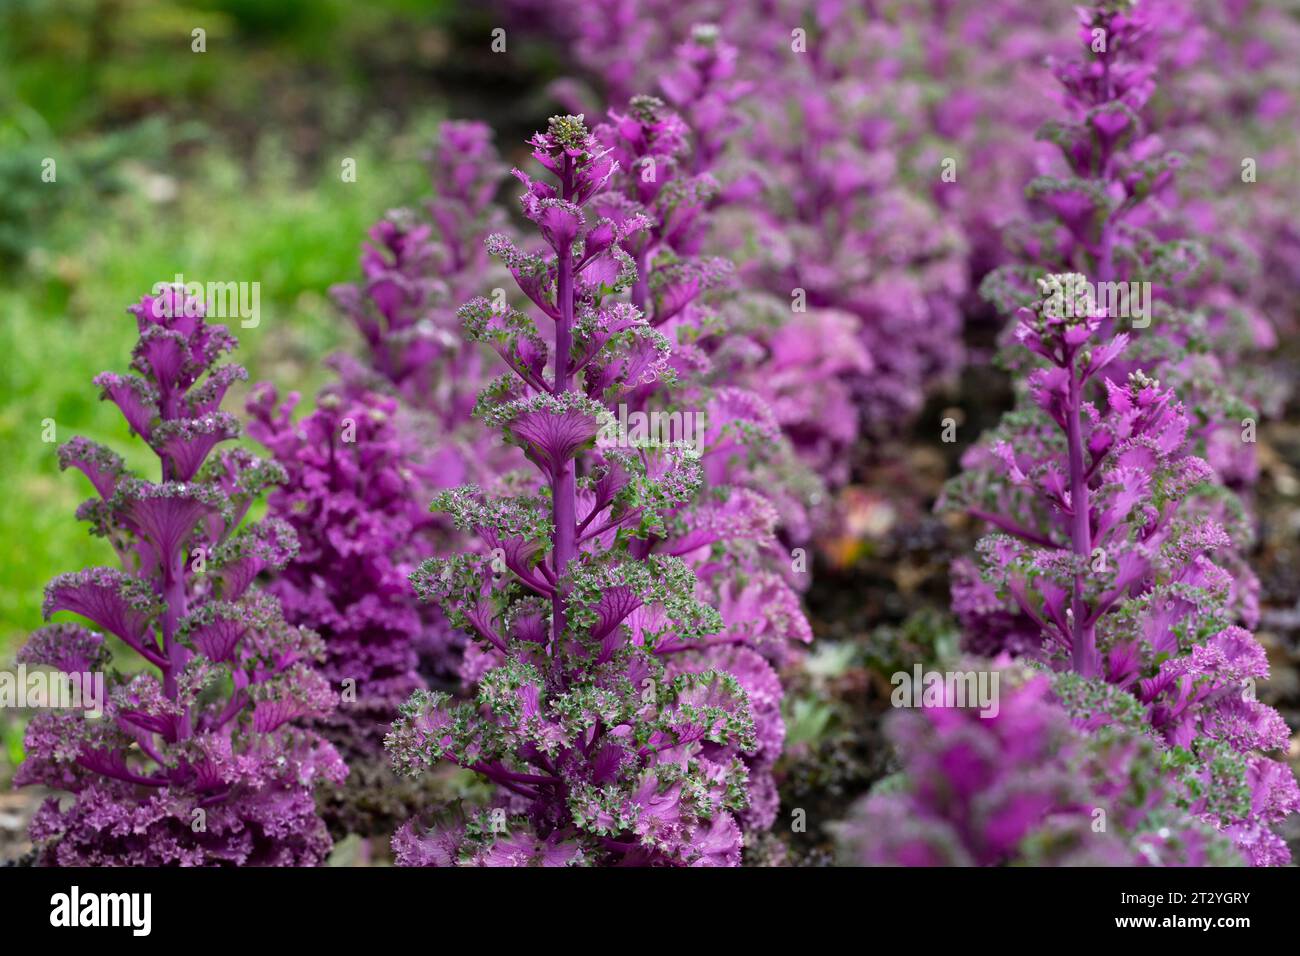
x=81 y=63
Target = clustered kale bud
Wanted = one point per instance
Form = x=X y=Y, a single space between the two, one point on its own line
x=609 y=730
x=198 y=757
x=851 y=278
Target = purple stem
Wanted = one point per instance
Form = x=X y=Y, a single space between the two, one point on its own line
x=127 y=776
x=564 y=488
x=641 y=288
x=1084 y=642
x=1013 y=527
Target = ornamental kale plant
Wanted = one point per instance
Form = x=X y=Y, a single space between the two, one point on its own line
x=197 y=758
x=352 y=498
x=860 y=278
x=1119 y=578
x=1108 y=224
x=1112 y=557
x=727 y=533
x=1115 y=217
x=417 y=271
x=610 y=734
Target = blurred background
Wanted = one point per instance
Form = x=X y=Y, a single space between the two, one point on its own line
x=225 y=166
